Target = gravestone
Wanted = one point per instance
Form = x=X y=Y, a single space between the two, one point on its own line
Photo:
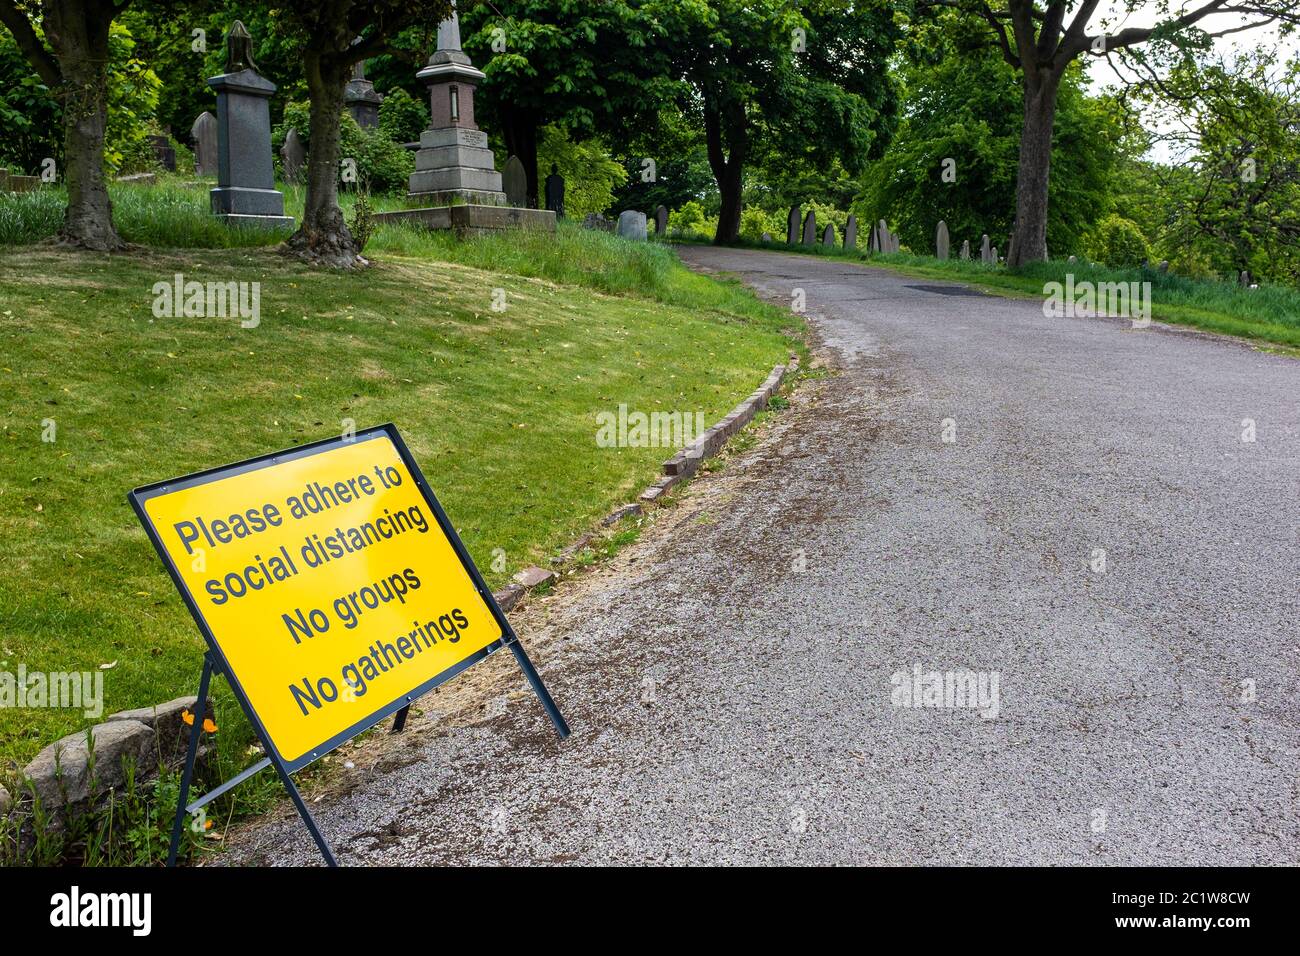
x=810 y=228
x=454 y=162
x=828 y=236
x=766 y=238
x=360 y=98
x=873 y=244
x=792 y=225
x=632 y=225
x=1244 y=279
x=555 y=192
x=941 y=241
x=292 y=156
x=1072 y=260
x=661 y=220
x=993 y=255
x=514 y=180
x=163 y=151
x=851 y=232
x=594 y=220
x=203 y=135
x=984 y=247
x=965 y=249
x=245 y=190
x=1164 y=266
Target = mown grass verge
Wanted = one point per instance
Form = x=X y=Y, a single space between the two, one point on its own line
x=497 y=406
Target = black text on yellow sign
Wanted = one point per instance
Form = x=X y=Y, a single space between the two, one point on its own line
x=328 y=581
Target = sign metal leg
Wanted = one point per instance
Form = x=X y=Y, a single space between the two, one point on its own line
x=535 y=679
x=303 y=812
x=191 y=754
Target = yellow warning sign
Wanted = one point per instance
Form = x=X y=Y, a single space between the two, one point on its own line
x=329 y=581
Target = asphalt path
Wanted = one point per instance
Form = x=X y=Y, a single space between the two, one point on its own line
x=1059 y=517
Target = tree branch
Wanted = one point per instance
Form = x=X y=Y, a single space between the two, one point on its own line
x=41 y=59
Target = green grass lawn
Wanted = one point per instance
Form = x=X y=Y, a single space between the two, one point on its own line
x=498 y=408
x=1269 y=314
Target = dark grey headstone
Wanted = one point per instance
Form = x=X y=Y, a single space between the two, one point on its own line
x=828 y=236
x=873 y=245
x=1164 y=265
x=245 y=172
x=792 y=225
x=514 y=181
x=851 y=232
x=941 y=241
x=163 y=151
x=555 y=192
x=661 y=220
x=292 y=156
x=203 y=135
x=984 y=247
x=810 y=228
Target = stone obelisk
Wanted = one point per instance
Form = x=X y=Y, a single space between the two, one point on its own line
x=454 y=163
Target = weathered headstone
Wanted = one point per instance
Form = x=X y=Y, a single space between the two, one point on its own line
x=1072 y=260
x=632 y=225
x=360 y=98
x=941 y=241
x=851 y=232
x=1164 y=266
x=292 y=156
x=810 y=228
x=1244 y=279
x=984 y=247
x=993 y=255
x=873 y=244
x=828 y=236
x=554 y=191
x=965 y=249
x=245 y=190
x=594 y=220
x=163 y=151
x=203 y=134
x=792 y=225
x=661 y=220
x=766 y=238
x=514 y=180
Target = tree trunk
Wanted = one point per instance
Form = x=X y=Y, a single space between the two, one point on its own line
x=520 y=133
x=324 y=236
x=728 y=166
x=1029 y=241
x=79 y=38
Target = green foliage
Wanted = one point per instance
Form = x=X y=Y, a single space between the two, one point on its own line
x=383 y=164
x=1117 y=242
x=590 y=174
x=687 y=220
x=402 y=118
x=362 y=223
x=967 y=108
x=31 y=116
x=754 y=222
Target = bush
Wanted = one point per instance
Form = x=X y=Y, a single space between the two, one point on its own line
x=754 y=222
x=687 y=220
x=383 y=164
x=402 y=118
x=1117 y=242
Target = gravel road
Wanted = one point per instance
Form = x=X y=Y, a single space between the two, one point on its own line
x=737 y=680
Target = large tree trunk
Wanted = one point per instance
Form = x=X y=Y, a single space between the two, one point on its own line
x=324 y=237
x=520 y=133
x=727 y=160
x=79 y=39
x=1029 y=241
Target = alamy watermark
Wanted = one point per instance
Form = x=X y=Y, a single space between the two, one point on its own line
x=1126 y=300
x=624 y=429
x=208 y=300
x=73 y=690
x=973 y=690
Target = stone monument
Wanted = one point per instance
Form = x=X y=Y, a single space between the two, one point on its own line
x=555 y=192
x=360 y=98
x=454 y=163
x=245 y=190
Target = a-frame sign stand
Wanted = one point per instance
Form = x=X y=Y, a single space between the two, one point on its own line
x=399 y=721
